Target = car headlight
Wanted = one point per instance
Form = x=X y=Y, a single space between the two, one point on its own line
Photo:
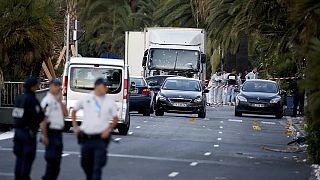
x=275 y=100
x=198 y=99
x=161 y=97
x=241 y=98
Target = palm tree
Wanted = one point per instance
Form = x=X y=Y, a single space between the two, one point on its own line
x=25 y=37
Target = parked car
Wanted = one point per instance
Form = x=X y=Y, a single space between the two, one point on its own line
x=78 y=81
x=260 y=97
x=181 y=95
x=140 y=96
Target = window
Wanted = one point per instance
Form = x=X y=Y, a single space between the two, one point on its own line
x=256 y=86
x=82 y=78
x=182 y=85
x=138 y=81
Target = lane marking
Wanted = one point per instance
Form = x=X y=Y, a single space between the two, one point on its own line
x=6 y=174
x=138 y=127
x=193 y=164
x=220 y=132
x=267 y=122
x=220 y=178
x=219 y=139
x=173 y=174
x=235 y=120
x=221 y=127
x=207 y=119
x=145 y=121
x=207 y=154
x=65 y=154
x=7 y=135
x=146 y=157
x=216 y=145
x=221 y=122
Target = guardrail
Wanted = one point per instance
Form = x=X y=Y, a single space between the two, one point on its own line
x=12 y=89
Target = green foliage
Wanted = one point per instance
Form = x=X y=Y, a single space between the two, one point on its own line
x=313 y=85
x=25 y=37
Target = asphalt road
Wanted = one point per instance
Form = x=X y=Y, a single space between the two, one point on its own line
x=183 y=147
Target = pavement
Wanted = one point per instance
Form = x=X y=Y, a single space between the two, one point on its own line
x=184 y=147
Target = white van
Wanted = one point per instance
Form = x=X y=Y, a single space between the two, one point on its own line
x=80 y=74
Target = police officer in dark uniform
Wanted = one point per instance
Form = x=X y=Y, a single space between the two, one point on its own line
x=27 y=115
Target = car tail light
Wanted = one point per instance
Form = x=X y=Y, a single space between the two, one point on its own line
x=125 y=91
x=65 y=86
x=145 y=92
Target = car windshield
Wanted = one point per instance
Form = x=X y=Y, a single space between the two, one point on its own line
x=182 y=85
x=174 y=59
x=138 y=81
x=256 y=86
x=82 y=78
x=158 y=80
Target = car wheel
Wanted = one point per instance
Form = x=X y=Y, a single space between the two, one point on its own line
x=202 y=113
x=124 y=128
x=236 y=113
x=147 y=112
x=159 y=112
x=279 y=116
x=67 y=126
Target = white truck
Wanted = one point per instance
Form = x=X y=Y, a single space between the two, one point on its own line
x=166 y=51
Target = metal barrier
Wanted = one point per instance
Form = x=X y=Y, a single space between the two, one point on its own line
x=9 y=93
x=12 y=89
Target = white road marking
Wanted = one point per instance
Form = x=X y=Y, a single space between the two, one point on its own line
x=235 y=120
x=173 y=174
x=220 y=178
x=221 y=127
x=117 y=139
x=207 y=119
x=267 y=122
x=204 y=126
x=219 y=139
x=193 y=164
x=145 y=121
x=221 y=122
x=65 y=154
x=130 y=133
x=207 y=154
x=7 y=135
x=216 y=145
x=138 y=127
x=6 y=174
x=141 y=157
x=220 y=132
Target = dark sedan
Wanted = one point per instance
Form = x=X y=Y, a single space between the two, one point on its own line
x=140 y=96
x=260 y=97
x=181 y=95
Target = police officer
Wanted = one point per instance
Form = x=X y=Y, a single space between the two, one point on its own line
x=27 y=115
x=52 y=128
x=94 y=132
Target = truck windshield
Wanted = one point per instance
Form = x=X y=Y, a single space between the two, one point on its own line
x=82 y=78
x=174 y=59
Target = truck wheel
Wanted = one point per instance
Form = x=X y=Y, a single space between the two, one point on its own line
x=159 y=112
x=202 y=114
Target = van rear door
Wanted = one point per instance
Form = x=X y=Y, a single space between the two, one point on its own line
x=81 y=83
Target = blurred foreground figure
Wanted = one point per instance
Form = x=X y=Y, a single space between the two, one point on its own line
x=94 y=134
x=52 y=128
x=27 y=115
